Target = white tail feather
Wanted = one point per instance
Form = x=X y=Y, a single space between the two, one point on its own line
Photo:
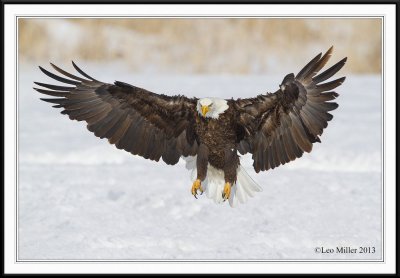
x=213 y=185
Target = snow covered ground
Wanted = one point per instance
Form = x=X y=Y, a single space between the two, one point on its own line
x=82 y=199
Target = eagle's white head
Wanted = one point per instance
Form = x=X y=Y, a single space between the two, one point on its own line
x=211 y=107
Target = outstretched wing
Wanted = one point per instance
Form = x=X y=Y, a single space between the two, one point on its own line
x=278 y=128
x=138 y=121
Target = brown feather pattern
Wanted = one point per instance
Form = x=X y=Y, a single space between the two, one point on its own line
x=136 y=120
x=290 y=120
x=275 y=128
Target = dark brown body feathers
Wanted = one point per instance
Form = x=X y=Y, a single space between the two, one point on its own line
x=220 y=137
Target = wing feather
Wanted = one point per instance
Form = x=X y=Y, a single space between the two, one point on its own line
x=291 y=119
x=58 y=78
x=134 y=119
x=329 y=72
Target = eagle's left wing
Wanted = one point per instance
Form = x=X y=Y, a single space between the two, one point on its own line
x=278 y=128
x=143 y=123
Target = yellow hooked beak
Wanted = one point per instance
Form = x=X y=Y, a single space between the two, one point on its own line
x=204 y=110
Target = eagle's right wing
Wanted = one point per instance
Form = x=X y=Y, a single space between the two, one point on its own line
x=134 y=119
x=278 y=128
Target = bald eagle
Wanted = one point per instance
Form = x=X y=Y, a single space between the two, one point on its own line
x=209 y=133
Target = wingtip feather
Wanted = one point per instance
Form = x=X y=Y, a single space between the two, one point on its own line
x=82 y=72
x=42 y=69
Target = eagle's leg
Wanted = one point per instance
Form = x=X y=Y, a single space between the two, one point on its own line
x=196 y=187
x=201 y=164
x=230 y=171
x=227 y=191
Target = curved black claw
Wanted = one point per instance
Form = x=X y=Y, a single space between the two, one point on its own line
x=196 y=187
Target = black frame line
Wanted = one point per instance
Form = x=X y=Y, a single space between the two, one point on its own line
x=205 y=2
x=383 y=128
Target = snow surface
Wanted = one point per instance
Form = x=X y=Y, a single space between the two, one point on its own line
x=80 y=198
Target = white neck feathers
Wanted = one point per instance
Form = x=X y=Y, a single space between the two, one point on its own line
x=217 y=106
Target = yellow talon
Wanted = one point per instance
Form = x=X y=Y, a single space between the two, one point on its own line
x=227 y=191
x=196 y=186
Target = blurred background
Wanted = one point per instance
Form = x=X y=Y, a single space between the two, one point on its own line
x=80 y=198
x=235 y=46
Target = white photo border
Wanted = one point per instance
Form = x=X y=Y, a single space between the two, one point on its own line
x=13 y=265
